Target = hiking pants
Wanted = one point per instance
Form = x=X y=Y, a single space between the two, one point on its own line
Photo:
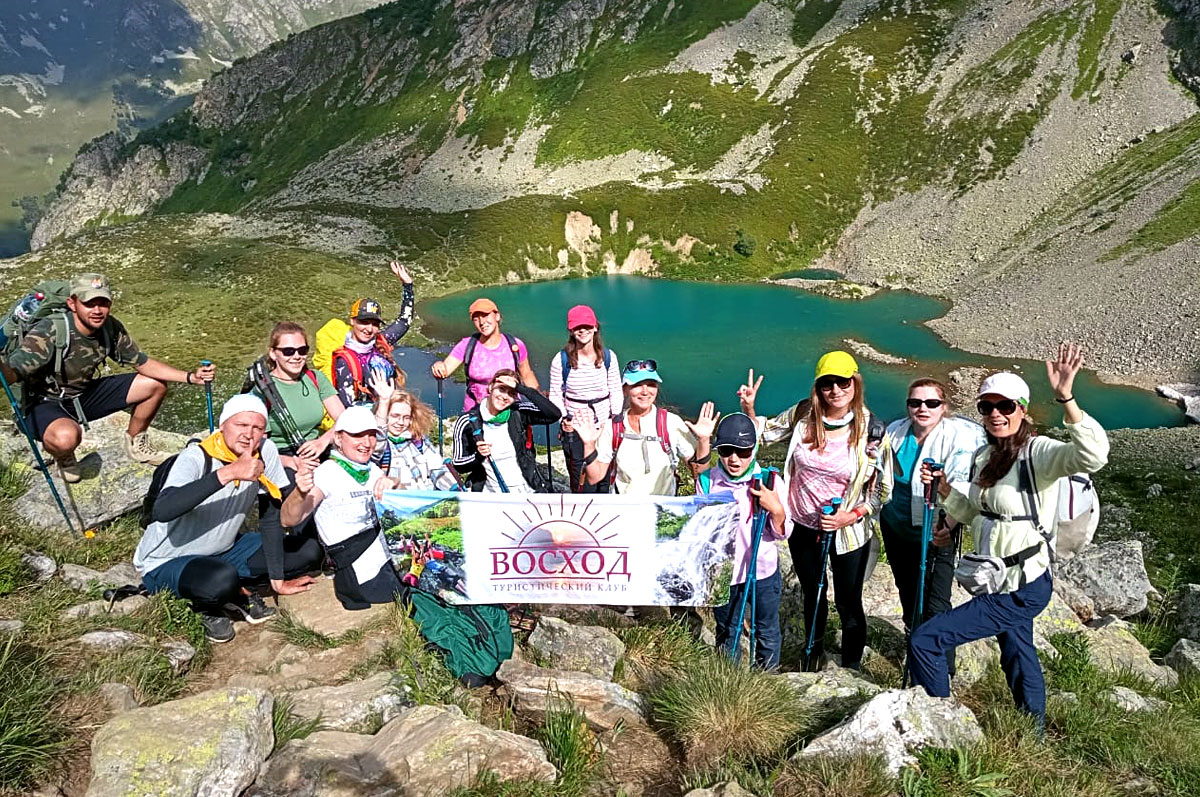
x=1008 y=616
x=849 y=571
x=572 y=448
x=904 y=557
x=209 y=582
x=768 y=640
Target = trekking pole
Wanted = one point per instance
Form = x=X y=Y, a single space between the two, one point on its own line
x=37 y=455
x=549 y=467
x=755 y=483
x=926 y=535
x=208 y=396
x=499 y=479
x=750 y=590
x=826 y=540
x=441 y=414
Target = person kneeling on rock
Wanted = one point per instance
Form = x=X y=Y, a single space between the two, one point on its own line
x=194 y=547
x=341 y=494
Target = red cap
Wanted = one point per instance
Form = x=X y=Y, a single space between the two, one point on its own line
x=581 y=316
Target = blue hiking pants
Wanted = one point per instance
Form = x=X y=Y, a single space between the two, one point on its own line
x=768 y=640
x=1008 y=616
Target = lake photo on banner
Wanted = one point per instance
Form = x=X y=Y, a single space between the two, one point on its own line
x=706 y=335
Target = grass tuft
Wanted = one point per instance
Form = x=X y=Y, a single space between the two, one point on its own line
x=719 y=710
x=32 y=736
x=654 y=651
x=572 y=747
x=951 y=772
x=863 y=776
x=287 y=725
x=13 y=572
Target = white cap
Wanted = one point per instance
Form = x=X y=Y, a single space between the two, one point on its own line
x=356 y=420
x=1008 y=385
x=242 y=402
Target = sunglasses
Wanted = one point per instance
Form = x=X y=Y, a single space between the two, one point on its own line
x=641 y=365
x=1006 y=407
x=292 y=351
x=729 y=451
x=826 y=383
x=915 y=404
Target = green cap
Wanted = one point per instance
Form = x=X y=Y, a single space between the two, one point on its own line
x=86 y=287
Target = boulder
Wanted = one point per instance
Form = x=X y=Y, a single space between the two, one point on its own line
x=428 y=750
x=729 y=788
x=121 y=574
x=179 y=653
x=832 y=690
x=971 y=661
x=1184 y=658
x=109 y=640
x=1056 y=618
x=603 y=703
x=319 y=610
x=98 y=607
x=590 y=649
x=81 y=578
x=1076 y=598
x=112 y=486
x=350 y=706
x=894 y=725
x=1187 y=611
x=1114 y=648
x=1112 y=575
x=1130 y=701
x=118 y=697
x=43 y=566
x=211 y=743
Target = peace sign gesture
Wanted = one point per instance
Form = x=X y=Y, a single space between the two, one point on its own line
x=748 y=392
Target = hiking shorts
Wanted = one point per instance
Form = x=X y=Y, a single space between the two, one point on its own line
x=101 y=397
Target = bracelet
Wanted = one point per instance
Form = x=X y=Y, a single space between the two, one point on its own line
x=1067 y=400
x=189 y=377
x=859 y=511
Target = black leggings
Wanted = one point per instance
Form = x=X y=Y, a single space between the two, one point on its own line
x=209 y=582
x=904 y=556
x=572 y=446
x=849 y=572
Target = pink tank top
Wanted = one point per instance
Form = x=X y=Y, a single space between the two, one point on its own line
x=816 y=477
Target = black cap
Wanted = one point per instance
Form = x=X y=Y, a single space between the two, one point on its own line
x=366 y=310
x=736 y=430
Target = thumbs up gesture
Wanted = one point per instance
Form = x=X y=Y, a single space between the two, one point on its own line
x=304 y=477
x=246 y=467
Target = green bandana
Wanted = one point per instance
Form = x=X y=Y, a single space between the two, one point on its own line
x=360 y=473
x=398 y=440
x=500 y=419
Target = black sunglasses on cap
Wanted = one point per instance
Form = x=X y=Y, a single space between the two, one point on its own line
x=292 y=351
x=827 y=382
x=915 y=404
x=1006 y=407
x=641 y=365
x=729 y=451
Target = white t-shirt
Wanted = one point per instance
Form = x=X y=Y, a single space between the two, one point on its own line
x=347 y=509
x=504 y=455
x=643 y=468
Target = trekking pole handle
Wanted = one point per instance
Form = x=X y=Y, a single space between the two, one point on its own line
x=935 y=469
x=755 y=484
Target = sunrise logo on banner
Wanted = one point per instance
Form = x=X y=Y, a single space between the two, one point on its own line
x=543 y=548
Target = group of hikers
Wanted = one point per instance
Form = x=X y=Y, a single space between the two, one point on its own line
x=311 y=451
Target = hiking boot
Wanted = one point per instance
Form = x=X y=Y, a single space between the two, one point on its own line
x=217 y=628
x=139 y=449
x=253 y=610
x=68 y=467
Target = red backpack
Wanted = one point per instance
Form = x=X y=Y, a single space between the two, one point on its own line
x=618 y=434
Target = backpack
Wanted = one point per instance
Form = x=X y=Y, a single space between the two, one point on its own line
x=331 y=348
x=48 y=299
x=565 y=361
x=475 y=640
x=661 y=431
x=159 y=477
x=330 y=338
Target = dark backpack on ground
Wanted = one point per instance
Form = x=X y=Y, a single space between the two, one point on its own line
x=475 y=640
x=159 y=478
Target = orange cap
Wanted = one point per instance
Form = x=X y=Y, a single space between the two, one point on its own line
x=483 y=306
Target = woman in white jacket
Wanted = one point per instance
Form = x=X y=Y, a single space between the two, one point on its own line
x=1005 y=526
x=928 y=431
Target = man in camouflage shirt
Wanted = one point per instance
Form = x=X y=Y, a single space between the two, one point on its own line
x=61 y=398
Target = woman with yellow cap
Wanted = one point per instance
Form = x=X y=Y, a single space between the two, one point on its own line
x=836 y=449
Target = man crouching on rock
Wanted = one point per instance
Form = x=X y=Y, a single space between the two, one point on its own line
x=193 y=546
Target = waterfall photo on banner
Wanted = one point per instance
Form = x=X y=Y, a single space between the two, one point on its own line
x=556 y=548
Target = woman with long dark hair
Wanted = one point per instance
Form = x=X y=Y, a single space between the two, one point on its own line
x=836 y=449
x=1010 y=502
x=585 y=378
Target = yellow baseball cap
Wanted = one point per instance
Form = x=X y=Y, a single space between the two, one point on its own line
x=836 y=363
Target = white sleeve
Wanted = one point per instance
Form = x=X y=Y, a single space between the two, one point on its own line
x=323 y=478
x=272 y=466
x=187 y=467
x=604 y=447
x=682 y=440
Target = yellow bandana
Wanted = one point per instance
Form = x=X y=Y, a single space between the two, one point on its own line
x=216 y=447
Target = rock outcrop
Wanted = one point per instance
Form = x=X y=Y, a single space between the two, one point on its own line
x=350 y=706
x=590 y=649
x=538 y=689
x=1112 y=575
x=211 y=743
x=1115 y=649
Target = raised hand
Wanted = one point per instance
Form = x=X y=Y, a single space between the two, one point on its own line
x=400 y=271
x=704 y=425
x=586 y=427
x=380 y=385
x=748 y=392
x=1061 y=372
x=312 y=450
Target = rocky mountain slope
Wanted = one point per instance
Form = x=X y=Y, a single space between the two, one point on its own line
x=71 y=71
x=1037 y=163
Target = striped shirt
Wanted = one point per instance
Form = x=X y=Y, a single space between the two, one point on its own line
x=586 y=383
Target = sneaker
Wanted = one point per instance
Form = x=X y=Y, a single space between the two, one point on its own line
x=139 y=450
x=254 y=611
x=68 y=467
x=217 y=628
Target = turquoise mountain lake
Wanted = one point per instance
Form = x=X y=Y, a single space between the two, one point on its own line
x=706 y=335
